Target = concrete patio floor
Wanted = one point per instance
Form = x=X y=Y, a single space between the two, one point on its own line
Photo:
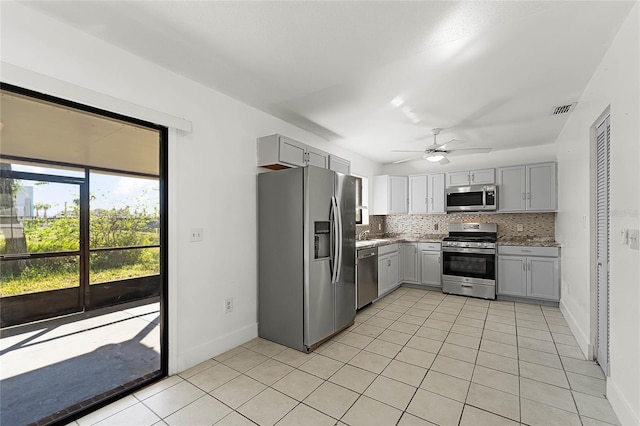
x=48 y=366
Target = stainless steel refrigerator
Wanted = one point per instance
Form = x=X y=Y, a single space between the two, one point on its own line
x=306 y=255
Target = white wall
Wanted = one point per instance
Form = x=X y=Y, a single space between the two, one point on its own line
x=212 y=169
x=507 y=157
x=615 y=84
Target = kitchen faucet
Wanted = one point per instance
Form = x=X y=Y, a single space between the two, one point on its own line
x=363 y=234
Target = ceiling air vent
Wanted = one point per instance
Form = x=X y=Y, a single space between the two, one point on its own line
x=562 y=109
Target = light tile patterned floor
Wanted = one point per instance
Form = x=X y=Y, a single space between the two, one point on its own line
x=416 y=357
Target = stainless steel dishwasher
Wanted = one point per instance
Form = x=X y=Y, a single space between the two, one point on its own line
x=367 y=279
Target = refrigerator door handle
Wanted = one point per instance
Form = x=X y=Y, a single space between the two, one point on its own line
x=334 y=242
x=339 y=241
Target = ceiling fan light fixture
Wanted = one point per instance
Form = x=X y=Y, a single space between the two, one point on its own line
x=434 y=158
x=397 y=102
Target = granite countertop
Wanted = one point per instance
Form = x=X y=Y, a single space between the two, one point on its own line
x=527 y=241
x=383 y=241
x=437 y=238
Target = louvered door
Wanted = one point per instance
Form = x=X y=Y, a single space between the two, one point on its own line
x=602 y=244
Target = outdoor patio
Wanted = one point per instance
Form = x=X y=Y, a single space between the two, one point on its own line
x=49 y=366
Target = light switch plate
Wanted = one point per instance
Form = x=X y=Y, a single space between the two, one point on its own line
x=634 y=236
x=520 y=227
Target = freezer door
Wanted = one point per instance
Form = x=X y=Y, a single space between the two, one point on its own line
x=319 y=291
x=345 y=287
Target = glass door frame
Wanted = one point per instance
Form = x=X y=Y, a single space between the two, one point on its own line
x=164 y=241
x=42 y=309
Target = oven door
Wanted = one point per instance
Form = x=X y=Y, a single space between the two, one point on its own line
x=475 y=265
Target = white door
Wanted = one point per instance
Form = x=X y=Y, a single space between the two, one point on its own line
x=602 y=245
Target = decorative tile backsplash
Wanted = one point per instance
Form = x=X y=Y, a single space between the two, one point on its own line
x=539 y=225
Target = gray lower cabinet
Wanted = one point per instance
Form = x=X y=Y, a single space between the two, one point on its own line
x=532 y=272
x=430 y=264
x=388 y=268
x=409 y=263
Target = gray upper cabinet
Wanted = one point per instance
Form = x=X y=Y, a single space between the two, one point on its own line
x=316 y=157
x=280 y=152
x=472 y=177
x=512 y=189
x=436 y=193
x=291 y=151
x=340 y=165
x=390 y=195
x=426 y=194
x=531 y=187
x=418 y=194
x=542 y=187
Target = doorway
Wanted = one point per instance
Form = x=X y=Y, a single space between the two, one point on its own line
x=601 y=196
x=83 y=243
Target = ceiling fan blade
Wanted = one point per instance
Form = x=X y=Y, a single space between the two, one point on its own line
x=468 y=151
x=444 y=161
x=407 y=159
x=396 y=150
x=452 y=143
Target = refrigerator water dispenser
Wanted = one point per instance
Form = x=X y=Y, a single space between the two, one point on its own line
x=322 y=240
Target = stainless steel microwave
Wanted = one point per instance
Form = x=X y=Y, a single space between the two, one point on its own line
x=472 y=198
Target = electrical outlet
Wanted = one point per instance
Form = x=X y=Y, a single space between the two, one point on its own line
x=379 y=227
x=520 y=227
x=634 y=236
x=228 y=305
x=435 y=226
x=196 y=235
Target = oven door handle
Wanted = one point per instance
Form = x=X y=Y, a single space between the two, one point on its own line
x=468 y=250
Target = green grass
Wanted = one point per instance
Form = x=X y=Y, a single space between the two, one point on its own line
x=55 y=281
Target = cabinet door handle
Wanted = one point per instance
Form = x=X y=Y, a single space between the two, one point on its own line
x=524 y=266
x=473 y=177
x=528 y=195
x=523 y=196
x=438 y=259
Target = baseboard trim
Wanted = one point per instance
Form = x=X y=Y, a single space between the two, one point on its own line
x=215 y=347
x=583 y=341
x=620 y=405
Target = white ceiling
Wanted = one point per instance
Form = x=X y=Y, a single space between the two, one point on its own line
x=487 y=72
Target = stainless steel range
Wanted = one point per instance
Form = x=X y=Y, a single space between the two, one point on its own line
x=469 y=260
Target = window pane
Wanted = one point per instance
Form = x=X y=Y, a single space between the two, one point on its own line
x=124 y=211
x=38 y=217
x=34 y=275
x=112 y=265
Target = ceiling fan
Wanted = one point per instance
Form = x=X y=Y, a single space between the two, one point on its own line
x=437 y=153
